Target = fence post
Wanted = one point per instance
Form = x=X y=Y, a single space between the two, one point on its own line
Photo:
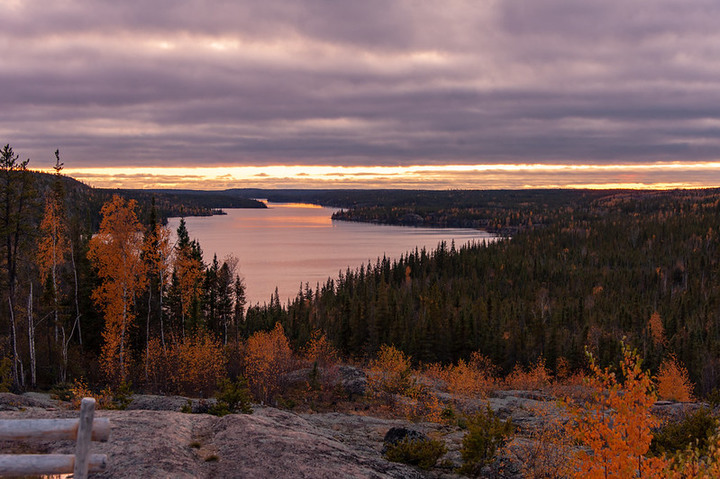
x=84 y=438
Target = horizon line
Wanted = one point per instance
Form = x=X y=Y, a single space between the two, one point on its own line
x=655 y=175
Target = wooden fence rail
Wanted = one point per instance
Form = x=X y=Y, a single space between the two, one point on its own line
x=84 y=430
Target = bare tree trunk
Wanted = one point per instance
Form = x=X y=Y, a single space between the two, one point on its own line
x=77 y=302
x=64 y=353
x=225 y=323
x=31 y=339
x=54 y=283
x=16 y=380
x=162 y=320
x=122 y=335
x=65 y=346
x=147 y=334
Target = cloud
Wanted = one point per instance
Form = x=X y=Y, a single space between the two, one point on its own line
x=202 y=83
x=656 y=175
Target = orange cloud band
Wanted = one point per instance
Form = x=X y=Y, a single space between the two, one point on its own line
x=663 y=175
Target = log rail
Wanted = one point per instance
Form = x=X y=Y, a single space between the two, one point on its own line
x=83 y=430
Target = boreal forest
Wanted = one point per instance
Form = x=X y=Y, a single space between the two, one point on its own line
x=93 y=288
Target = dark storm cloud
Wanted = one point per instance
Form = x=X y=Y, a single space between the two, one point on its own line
x=360 y=83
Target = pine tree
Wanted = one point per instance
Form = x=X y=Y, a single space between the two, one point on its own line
x=16 y=197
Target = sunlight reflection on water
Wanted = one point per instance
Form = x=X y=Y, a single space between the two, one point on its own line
x=289 y=245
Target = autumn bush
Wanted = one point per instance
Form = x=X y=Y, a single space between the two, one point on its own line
x=193 y=366
x=615 y=427
x=324 y=373
x=420 y=404
x=319 y=350
x=390 y=372
x=673 y=381
x=392 y=380
x=569 y=384
x=475 y=377
x=78 y=391
x=433 y=371
x=267 y=358
x=108 y=398
x=537 y=376
x=197 y=364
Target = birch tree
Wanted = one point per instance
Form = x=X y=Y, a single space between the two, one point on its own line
x=116 y=253
x=157 y=253
x=52 y=250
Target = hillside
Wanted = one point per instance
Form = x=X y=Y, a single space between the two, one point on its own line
x=594 y=274
x=88 y=201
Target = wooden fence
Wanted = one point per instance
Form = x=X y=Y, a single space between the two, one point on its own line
x=83 y=430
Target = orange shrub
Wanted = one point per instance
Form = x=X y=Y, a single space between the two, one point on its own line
x=390 y=373
x=192 y=367
x=468 y=379
x=562 y=367
x=480 y=362
x=319 y=350
x=421 y=404
x=568 y=384
x=157 y=370
x=537 y=377
x=475 y=377
x=197 y=364
x=80 y=390
x=673 y=381
x=434 y=371
x=324 y=377
x=615 y=427
x=267 y=357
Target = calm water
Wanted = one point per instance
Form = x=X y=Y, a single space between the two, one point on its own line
x=287 y=245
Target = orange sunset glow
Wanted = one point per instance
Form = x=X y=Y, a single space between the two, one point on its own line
x=667 y=175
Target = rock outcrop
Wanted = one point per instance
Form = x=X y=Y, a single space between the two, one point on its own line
x=269 y=443
x=152 y=438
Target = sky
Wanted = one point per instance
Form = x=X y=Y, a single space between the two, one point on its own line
x=417 y=94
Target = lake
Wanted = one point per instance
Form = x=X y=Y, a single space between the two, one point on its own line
x=287 y=245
